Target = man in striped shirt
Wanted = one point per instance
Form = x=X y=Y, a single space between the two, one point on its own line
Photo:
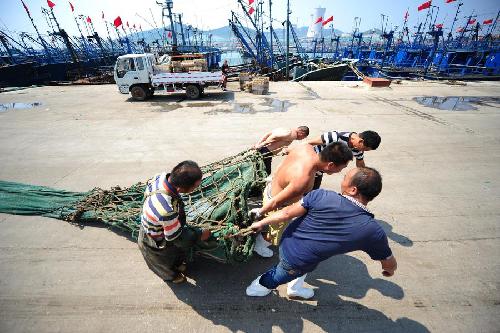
x=358 y=143
x=164 y=236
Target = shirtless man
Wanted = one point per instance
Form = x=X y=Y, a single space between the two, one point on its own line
x=293 y=179
x=273 y=142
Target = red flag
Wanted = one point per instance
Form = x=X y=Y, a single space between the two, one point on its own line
x=50 y=3
x=450 y=1
x=439 y=26
x=103 y=15
x=169 y=35
x=328 y=20
x=71 y=5
x=472 y=21
x=460 y=29
x=250 y=2
x=425 y=5
x=25 y=7
x=89 y=20
x=406 y=15
x=486 y=22
x=117 y=22
x=251 y=11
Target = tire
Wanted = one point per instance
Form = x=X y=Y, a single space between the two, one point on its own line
x=139 y=93
x=193 y=91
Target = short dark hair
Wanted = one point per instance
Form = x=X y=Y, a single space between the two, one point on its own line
x=304 y=129
x=336 y=152
x=368 y=181
x=185 y=174
x=371 y=139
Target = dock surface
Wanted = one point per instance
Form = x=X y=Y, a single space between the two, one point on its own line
x=440 y=206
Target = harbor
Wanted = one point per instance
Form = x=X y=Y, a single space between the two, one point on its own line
x=439 y=208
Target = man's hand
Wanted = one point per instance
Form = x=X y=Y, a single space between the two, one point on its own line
x=387 y=273
x=389 y=265
x=205 y=234
x=285 y=151
x=255 y=214
x=256 y=226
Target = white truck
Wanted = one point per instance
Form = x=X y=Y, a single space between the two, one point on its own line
x=138 y=75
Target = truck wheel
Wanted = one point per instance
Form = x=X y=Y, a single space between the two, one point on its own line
x=138 y=93
x=192 y=91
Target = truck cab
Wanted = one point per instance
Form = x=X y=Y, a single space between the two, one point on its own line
x=134 y=70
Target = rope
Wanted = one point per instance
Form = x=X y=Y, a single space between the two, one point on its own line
x=356 y=70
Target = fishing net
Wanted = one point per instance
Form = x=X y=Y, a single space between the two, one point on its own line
x=220 y=204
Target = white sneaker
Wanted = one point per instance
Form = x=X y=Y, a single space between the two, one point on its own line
x=256 y=289
x=295 y=288
x=261 y=247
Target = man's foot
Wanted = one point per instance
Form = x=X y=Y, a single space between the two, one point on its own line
x=296 y=289
x=261 y=247
x=255 y=289
x=303 y=293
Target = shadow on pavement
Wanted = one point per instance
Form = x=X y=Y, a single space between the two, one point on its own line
x=400 y=239
x=209 y=95
x=217 y=293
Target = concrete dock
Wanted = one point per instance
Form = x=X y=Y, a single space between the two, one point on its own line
x=440 y=206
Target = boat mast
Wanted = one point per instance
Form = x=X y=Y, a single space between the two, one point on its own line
x=63 y=34
x=42 y=41
x=182 y=30
x=450 y=34
x=271 y=32
x=287 y=71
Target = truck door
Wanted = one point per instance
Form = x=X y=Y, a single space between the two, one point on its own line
x=126 y=74
x=141 y=70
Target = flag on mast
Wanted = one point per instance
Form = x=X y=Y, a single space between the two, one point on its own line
x=117 y=22
x=425 y=5
x=51 y=4
x=71 y=6
x=328 y=20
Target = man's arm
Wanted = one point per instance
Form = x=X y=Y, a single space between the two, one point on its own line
x=315 y=141
x=360 y=163
x=286 y=214
x=262 y=141
x=291 y=191
x=389 y=265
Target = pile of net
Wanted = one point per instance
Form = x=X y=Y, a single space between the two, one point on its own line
x=219 y=204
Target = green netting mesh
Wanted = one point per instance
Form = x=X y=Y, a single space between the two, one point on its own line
x=220 y=204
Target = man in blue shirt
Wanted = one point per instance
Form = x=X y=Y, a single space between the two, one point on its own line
x=327 y=224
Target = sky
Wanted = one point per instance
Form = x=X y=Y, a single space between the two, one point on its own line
x=210 y=14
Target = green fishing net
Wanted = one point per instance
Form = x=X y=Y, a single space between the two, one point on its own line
x=220 y=204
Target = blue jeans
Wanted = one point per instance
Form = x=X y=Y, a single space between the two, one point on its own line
x=280 y=274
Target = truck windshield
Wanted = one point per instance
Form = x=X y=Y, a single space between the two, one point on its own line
x=123 y=66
